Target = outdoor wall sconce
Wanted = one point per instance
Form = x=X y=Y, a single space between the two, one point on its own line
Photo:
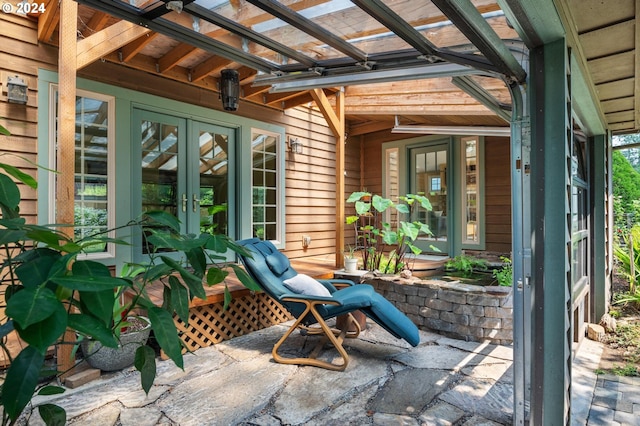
x=229 y=89
x=16 y=90
x=295 y=146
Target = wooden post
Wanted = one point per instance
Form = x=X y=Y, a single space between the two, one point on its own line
x=340 y=166
x=336 y=122
x=65 y=163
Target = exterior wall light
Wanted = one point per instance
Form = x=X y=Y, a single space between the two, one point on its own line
x=295 y=146
x=16 y=90
x=229 y=89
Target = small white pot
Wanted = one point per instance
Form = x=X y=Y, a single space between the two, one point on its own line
x=351 y=264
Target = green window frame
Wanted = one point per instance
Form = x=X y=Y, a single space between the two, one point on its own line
x=94 y=193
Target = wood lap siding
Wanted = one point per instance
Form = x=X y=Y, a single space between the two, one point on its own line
x=310 y=184
x=20 y=54
x=497 y=177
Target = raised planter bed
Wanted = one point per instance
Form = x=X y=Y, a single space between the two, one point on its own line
x=462 y=311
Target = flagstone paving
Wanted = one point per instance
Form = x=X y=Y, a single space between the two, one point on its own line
x=441 y=382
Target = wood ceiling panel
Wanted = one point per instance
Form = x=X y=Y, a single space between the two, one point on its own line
x=619 y=117
x=597 y=43
x=592 y=14
x=615 y=105
x=616 y=89
x=612 y=68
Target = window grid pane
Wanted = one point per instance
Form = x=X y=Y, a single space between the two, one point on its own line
x=264 y=185
x=91 y=169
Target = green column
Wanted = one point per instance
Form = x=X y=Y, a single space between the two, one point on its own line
x=551 y=304
x=599 y=188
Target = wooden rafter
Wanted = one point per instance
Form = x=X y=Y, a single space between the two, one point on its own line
x=97 y=23
x=48 y=21
x=213 y=65
x=131 y=49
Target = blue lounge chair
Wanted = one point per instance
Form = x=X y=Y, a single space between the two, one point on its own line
x=313 y=302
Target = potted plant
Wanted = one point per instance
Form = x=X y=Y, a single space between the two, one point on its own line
x=50 y=291
x=131 y=330
x=385 y=245
x=350 y=260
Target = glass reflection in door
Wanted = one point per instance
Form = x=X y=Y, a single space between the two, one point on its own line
x=160 y=161
x=213 y=163
x=429 y=176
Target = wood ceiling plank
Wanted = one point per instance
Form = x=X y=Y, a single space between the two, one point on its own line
x=597 y=43
x=451 y=98
x=417 y=110
x=616 y=89
x=369 y=127
x=611 y=68
x=620 y=104
x=624 y=127
x=592 y=14
x=106 y=41
x=618 y=117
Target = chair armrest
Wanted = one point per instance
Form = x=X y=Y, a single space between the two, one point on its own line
x=337 y=283
x=305 y=298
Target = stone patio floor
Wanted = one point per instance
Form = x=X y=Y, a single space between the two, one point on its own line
x=443 y=381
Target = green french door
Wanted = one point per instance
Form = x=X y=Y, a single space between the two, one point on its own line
x=429 y=176
x=183 y=170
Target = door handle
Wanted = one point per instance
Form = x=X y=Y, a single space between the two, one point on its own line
x=195 y=203
x=184 y=202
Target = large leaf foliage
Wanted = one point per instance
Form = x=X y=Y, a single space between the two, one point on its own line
x=50 y=290
x=386 y=245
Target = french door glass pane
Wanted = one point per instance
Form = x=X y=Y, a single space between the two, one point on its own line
x=159 y=168
x=430 y=179
x=214 y=169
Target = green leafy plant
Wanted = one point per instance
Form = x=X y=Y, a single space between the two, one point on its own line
x=50 y=290
x=350 y=252
x=627 y=253
x=391 y=240
x=466 y=265
x=504 y=275
x=628 y=370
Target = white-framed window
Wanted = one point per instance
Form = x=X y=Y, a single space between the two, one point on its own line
x=470 y=190
x=94 y=190
x=266 y=208
x=392 y=180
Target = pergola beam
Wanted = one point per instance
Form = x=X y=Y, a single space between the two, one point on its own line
x=106 y=41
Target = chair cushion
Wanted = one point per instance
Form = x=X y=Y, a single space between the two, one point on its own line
x=277 y=262
x=304 y=284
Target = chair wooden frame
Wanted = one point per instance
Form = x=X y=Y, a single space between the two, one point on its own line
x=334 y=336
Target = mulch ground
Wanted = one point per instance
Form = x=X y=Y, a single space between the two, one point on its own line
x=619 y=353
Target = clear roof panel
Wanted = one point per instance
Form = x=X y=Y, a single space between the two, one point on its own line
x=317 y=31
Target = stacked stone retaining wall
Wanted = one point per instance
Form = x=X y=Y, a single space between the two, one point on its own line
x=462 y=311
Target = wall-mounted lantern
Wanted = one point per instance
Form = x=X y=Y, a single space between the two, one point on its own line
x=229 y=89
x=16 y=90
x=295 y=146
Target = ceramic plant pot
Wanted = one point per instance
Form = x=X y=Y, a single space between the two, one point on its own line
x=112 y=359
x=350 y=264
